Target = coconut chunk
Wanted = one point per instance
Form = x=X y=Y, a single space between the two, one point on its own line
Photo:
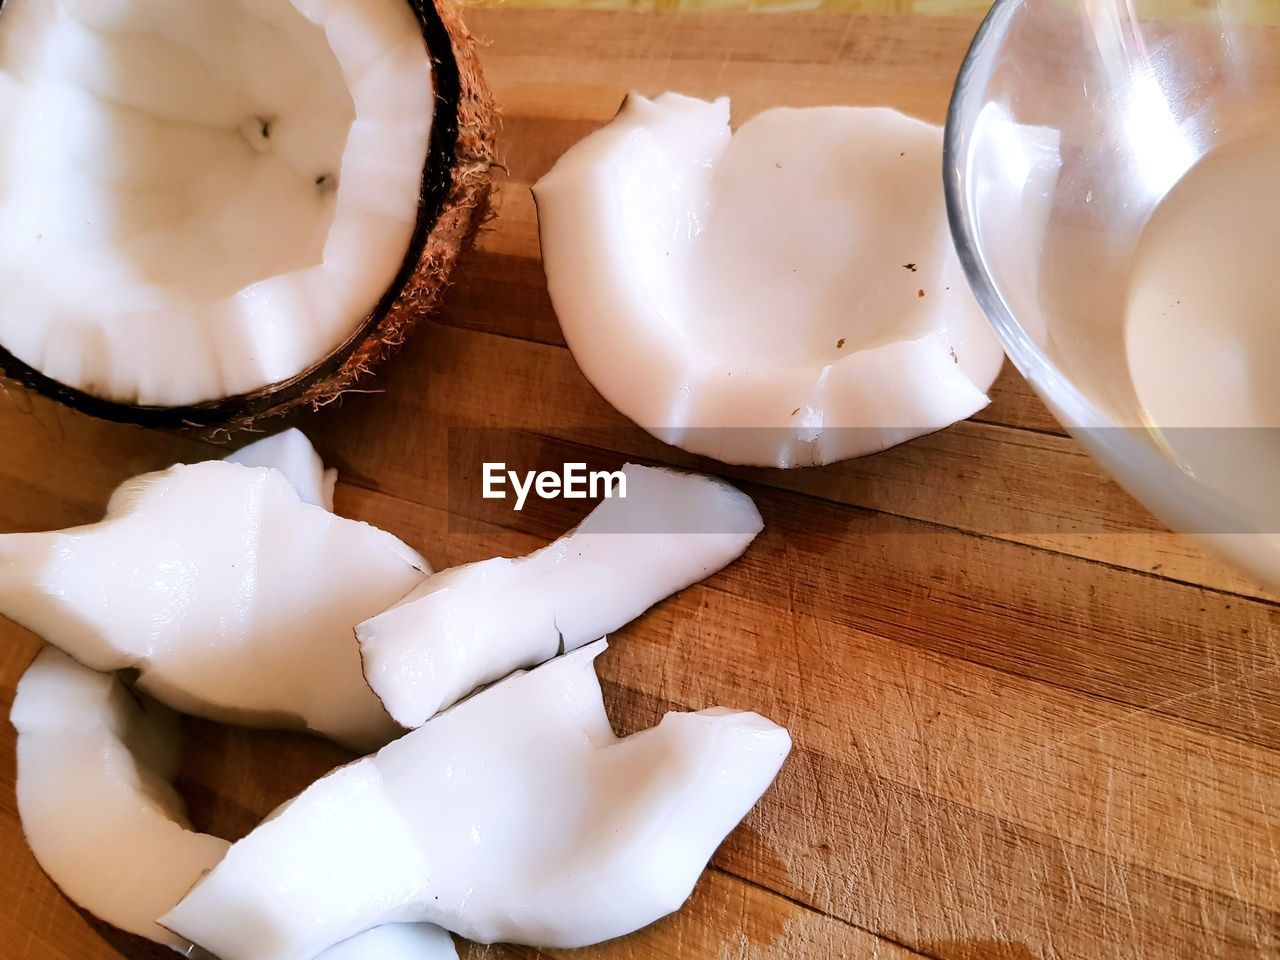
x=292 y=454
x=210 y=207
x=95 y=794
x=232 y=598
x=784 y=296
x=474 y=624
x=517 y=815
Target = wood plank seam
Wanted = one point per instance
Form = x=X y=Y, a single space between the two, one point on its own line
x=1020 y=427
x=810 y=908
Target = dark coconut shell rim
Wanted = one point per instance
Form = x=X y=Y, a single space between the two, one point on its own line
x=437 y=184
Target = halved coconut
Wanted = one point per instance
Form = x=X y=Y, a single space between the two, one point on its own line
x=474 y=624
x=214 y=210
x=784 y=296
x=516 y=815
x=232 y=598
x=95 y=765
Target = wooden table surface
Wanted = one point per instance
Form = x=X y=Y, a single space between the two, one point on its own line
x=1027 y=721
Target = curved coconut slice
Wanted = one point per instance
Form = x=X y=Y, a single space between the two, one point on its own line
x=235 y=600
x=213 y=210
x=97 y=807
x=516 y=815
x=292 y=454
x=474 y=624
x=95 y=765
x=784 y=296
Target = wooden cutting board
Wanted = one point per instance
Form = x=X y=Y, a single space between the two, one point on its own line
x=1027 y=722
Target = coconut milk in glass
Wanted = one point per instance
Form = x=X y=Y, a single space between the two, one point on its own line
x=1202 y=330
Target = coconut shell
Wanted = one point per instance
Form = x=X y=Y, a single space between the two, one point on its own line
x=453 y=203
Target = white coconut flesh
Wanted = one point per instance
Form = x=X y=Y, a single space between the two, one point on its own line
x=292 y=454
x=786 y=295
x=95 y=794
x=516 y=815
x=474 y=624
x=396 y=941
x=234 y=599
x=95 y=797
x=199 y=199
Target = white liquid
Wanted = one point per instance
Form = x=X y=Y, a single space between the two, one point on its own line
x=1203 y=322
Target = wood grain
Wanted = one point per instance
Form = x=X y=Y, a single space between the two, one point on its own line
x=1029 y=722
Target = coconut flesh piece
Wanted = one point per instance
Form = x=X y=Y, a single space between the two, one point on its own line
x=396 y=941
x=515 y=816
x=96 y=798
x=292 y=454
x=233 y=599
x=474 y=624
x=200 y=199
x=95 y=771
x=783 y=296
